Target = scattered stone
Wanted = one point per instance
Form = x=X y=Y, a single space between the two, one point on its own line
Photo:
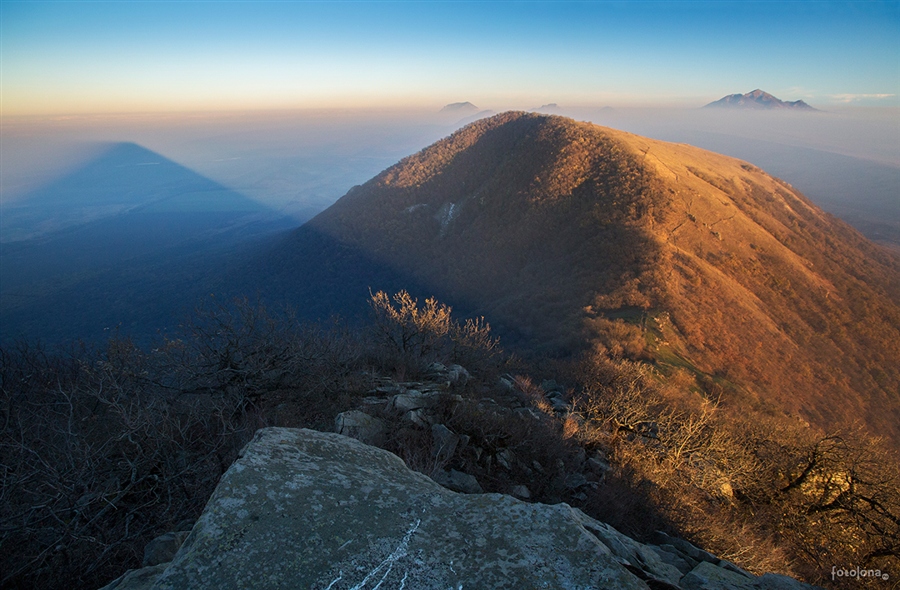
x=386 y=390
x=575 y=480
x=411 y=400
x=580 y=457
x=550 y=385
x=457 y=375
x=687 y=549
x=733 y=568
x=634 y=554
x=505 y=459
x=598 y=466
x=672 y=559
x=559 y=405
x=418 y=417
x=691 y=562
x=435 y=370
x=707 y=576
x=725 y=489
x=458 y=481
x=445 y=441
x=521 y=492
x=507 y=382
x=528 y=413
x=163 y=548
x=361 y=426
x=372 y=400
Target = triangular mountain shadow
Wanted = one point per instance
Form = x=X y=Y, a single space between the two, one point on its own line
x=123 y=177
x=127 y=212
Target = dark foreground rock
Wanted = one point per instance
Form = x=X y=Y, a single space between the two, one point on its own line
x=306 y=509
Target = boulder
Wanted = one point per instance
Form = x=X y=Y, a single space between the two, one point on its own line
x=505 y=459
x=163 y=548
x=445 y=442
x=414 y=399
x=306 y=509
x=458 y=375
x=521 y=492
x=361 y=426
x=419 y=417
x=458 y=481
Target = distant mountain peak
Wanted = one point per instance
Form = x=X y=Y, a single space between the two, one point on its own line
x=460 y=107
x=550 y=109
x=758 y=100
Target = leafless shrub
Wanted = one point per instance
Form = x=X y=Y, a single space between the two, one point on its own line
x=764 y=491
x=94 y=463
x=416 y=335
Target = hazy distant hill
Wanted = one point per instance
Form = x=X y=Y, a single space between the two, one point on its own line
x=550 y=109
x=461 y=108
x=758 y=99
x=568 y=233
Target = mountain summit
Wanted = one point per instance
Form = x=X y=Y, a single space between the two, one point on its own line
x=567 y=235
x=758 y=100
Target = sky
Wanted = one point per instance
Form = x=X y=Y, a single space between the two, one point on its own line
x=92 y=57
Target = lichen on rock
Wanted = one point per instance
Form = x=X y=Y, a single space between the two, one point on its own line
x=307 y=509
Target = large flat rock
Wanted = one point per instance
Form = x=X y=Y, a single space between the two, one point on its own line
x=306 y=509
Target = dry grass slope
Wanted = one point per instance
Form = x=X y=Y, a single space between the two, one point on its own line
x=575 y=235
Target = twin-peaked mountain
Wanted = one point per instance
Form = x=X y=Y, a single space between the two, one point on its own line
x=756 y=100
x=566 y=235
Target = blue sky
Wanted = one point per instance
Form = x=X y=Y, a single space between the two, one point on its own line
x=99 y=57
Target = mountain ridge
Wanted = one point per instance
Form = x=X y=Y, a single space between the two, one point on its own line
x=577 y=235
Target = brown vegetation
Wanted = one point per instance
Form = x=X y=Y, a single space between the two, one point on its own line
x=568 y=235
x=103 y=450
x=764 y=492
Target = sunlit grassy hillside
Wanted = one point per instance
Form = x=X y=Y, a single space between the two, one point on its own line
x=574 y=235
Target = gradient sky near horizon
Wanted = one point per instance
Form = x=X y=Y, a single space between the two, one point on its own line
x=76 y=57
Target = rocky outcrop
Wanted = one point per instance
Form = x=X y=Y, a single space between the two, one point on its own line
x=306 y=509
x=422 y=405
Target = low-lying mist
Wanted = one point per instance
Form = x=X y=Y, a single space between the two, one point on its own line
x=297 y=163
